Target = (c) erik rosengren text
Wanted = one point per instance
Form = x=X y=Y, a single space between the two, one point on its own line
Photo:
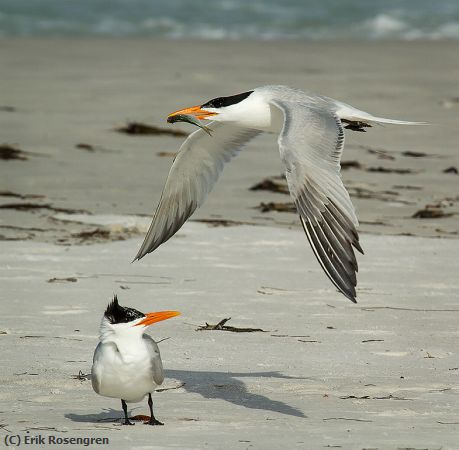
x=16 y=440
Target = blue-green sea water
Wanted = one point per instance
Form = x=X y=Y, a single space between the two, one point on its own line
x=233 y=19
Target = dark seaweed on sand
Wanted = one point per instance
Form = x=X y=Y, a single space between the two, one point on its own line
x=277 y=206
x=431 y=213
x=138 y=128
x=39 y=206
x=273 y=184
x=21 y=196
x=390 y=170
x=8 y=152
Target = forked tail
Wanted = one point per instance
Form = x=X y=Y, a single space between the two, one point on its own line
x=350 y=114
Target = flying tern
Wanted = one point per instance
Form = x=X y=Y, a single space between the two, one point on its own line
x=127 y=363
x=310 y=131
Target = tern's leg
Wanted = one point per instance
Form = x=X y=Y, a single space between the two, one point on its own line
x=152 y=420
x=126 y=419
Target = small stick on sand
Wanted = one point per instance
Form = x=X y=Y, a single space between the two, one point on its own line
x=220 y=326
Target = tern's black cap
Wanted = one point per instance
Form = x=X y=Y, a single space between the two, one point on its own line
x=116 y=313
x=220 y=102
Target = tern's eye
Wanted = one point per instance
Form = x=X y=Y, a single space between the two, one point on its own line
x=132 y=314
x=220 y=102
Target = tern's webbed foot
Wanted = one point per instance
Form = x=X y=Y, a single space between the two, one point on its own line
x=153 y=421
x=127 y=422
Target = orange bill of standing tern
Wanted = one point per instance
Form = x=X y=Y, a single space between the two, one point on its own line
x=153 y=317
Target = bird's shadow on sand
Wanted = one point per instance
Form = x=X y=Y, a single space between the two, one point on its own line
x=108 y=415
x=219 y=385
x=227 y=386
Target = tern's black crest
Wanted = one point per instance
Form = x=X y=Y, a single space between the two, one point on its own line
x=219 y=102
x=116 y=313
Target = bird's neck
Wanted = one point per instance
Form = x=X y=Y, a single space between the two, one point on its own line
x=256 y=113
x=131 y=348
x=123 y=336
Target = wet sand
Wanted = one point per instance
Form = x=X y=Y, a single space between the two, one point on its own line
x=70 y=93
x=77 y=197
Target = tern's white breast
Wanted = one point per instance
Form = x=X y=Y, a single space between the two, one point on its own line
x=126 y=375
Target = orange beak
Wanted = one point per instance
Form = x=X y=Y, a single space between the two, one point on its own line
x=153 y=317
x=195 y=111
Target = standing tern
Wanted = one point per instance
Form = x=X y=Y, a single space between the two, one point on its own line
x=310 y=131
x=127 y=363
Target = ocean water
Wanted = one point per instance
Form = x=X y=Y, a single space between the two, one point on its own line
x=233 y=19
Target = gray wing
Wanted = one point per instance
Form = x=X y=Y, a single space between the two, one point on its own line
x=192 y=176
x=95 y=380
x=311 y=143
x=157 y=365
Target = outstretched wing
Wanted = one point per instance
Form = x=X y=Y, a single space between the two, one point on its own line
x=311 y=143
x=193 y=174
